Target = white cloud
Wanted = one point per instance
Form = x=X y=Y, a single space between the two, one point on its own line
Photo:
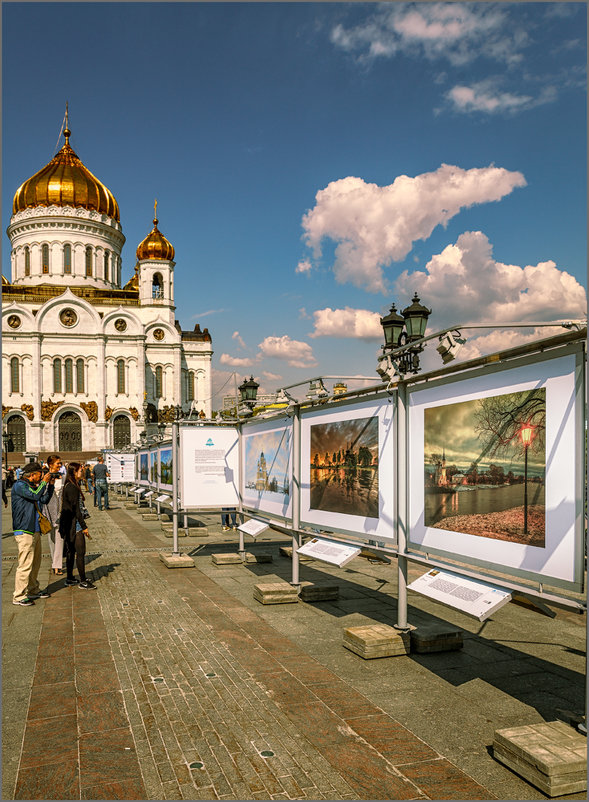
x=237 y=337
x=207 y=313
x=304 y=266
x=272 y=377
x=465 y=284
x=485 y=96
x=358 y=323
x=236 y=362
x=378 y=225
x=295 y=353
x=456 y=32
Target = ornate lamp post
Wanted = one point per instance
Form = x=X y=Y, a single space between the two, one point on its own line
x=526 y=433
x=399 y=331
x=248 y=392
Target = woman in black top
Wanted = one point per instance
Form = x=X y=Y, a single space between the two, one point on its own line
x=72 y=527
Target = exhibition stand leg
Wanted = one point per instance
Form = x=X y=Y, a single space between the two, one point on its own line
x=175 y=560
x=402 y=466
x=296 y=495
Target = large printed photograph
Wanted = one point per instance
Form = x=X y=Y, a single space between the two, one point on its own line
x=344 y=467
x=143 y=467
x=485 y=467
x=267 y=465
x=166 y=466
x=153 y=467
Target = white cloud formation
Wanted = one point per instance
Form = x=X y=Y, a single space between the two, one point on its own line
x=485 y=96
x=465 y=284
x=377 y=225
x=237 y=337
x=272 y=377
x=295 y=353
x=304 y=266
x=236 y=362
x=456 y=32
x=359 y=323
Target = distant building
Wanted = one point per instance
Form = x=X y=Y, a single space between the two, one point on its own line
x=85 y=360
x=262 y=473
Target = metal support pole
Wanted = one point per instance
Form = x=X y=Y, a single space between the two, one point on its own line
x=241 y=547
x=402 y=467
x=525 y=490
x=175 y=431
x=296 y=494
x=159 y=509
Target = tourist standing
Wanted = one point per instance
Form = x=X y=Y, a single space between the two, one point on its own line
x=30 y=491
x=51 y=511
x=72 y=527
x=100 y=474
x=4 y=478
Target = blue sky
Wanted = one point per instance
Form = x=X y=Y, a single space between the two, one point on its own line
x=314 y=162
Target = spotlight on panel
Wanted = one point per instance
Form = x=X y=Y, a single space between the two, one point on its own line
x=450 y=344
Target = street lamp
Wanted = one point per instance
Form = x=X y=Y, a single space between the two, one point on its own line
x=7 y=445
x=526 y=433
x=248 y=392
x=400 y=331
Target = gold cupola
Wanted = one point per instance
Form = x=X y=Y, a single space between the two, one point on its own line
x=65 y=181
x=155 y=245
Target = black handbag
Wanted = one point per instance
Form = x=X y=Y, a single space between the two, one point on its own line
x=84 y=509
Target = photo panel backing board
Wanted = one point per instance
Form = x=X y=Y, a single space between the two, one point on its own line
x=143 y=467
x=209 y=467
x=347 y=469
x=476 y=425
x=153 y=468
x=164 y=468
x=121 y=467
x=266 y=466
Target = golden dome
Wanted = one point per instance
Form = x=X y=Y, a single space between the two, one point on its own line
x=155 y=245
x=5 y=282
x=65 y=181
x=133 y=283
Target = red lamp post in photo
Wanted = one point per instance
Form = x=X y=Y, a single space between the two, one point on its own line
x=526 y=433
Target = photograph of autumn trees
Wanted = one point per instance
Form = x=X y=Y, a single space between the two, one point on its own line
x=344 y=467
x=485 y=464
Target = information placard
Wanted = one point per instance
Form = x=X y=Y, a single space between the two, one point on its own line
x=253 y=527
x=209 y=460
x=328 y=551
x=149 y=494
x=163 y=499
x=121 y=467
x=477 y=599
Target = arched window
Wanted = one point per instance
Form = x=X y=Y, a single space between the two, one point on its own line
x=69 y=375
x=159 y=382
x=157 y=287
x=106 y=266
x=121 y=376
x=190 y=385
x=14 y=375
x=88 y=261
x=79 y=375
x=67 y=258
x=45 y=259
x=121 y=431
x=57 y=375
x=27 y=261
x=17 y=433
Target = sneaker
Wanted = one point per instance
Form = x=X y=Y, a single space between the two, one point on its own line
x=42 y=594
x=72 y=581
x=87 y=585
x=226 y=528
x=26 y=602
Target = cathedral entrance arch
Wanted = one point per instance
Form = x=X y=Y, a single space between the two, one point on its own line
x=17 y=433
x=121 y=432
x=70 y=432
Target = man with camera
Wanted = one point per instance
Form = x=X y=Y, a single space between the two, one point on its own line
x=33 y=489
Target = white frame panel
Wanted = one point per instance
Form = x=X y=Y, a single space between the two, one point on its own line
x=369 y=529
x=162 y=485
x=266 y=501
x=210 y=485
x=140 y=456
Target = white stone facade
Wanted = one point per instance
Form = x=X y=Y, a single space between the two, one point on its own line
x=75 y=342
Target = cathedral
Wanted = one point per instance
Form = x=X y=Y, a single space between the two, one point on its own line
x=89 y=364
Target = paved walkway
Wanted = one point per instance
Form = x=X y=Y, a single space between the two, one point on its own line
x=176 y=684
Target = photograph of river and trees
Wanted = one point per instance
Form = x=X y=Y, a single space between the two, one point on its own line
x=166 y=466
x=485 y=464
x=344 y=467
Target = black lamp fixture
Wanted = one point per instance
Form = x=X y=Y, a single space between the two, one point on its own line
x=7 y=445
x=401 y=330
x=248 y=392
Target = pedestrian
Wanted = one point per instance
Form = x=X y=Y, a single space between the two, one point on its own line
x=4 y=480
x=18 y=472
x=33 y=489
x=100 y=473
x=10 y=479
x=225 y=513
x=51 y=510
x=72 y=526
x=87 y=476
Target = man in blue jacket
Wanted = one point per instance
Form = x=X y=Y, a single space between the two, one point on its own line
x=28 y=494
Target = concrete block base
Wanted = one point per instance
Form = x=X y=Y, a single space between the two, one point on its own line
x=225 y=559
x=551 y=756
x=258 y=558
x=436 y=638
x=286 y=551
x=168 y=532
x=376 y=640
x=149 y=516
x=314 y=593
x=130 y=505
x=177 y=560
x=276 y=593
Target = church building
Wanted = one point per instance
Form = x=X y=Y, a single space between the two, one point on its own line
x=87 y=363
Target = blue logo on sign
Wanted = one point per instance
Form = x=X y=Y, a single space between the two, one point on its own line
x=209 y=442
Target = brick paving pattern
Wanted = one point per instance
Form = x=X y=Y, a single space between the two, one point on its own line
x=170 y=684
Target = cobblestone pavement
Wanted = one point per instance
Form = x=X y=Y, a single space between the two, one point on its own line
x=177 y=684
